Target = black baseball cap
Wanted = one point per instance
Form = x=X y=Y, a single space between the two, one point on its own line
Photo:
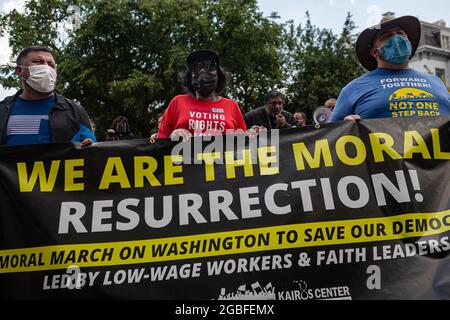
x=202 y=55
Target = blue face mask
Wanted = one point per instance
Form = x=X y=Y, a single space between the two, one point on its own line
x=397 y=50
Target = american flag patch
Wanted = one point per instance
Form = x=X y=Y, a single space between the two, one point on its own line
x=24 y=124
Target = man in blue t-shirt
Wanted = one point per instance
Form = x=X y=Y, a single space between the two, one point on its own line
x=38 y=114
x=391 y=89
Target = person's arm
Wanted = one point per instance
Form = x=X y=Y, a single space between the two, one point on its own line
x=344 y=109
x=166 y=126
x=291 y=120
x=444 y=88
x=282 y=122
x=241 y=123
x=85 y=135
x=248 y=119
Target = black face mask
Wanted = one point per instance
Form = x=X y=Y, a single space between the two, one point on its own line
x=204 y=84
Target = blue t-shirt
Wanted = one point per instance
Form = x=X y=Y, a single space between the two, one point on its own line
x=386 y=93
x=28 y=121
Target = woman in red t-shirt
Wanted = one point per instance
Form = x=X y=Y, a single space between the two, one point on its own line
x=203 y=111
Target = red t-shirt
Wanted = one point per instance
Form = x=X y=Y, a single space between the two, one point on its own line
x=201 y=117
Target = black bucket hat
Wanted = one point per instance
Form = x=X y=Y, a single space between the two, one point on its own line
x=409 y=24
x=202 y=55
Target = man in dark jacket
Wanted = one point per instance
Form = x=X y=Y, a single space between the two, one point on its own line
x=37 y=114
x=271 y=115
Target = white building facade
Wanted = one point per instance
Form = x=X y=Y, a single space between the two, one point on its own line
x=433 y=54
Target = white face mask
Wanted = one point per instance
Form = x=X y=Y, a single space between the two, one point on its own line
x=42 y=78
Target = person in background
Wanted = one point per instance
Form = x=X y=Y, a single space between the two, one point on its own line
x=93 y=126
x=155 y=134
x=203 y=111
x=330 y=104
x=300 y=119
x=391 y=89
x=37 y=113
x=271 y=115
x=122 y=128
x=110 y=135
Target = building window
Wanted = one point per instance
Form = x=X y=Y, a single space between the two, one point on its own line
x=440 y=73
x=446 y=42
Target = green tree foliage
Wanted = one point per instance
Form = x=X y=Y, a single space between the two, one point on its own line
x=320 y=64
x=37 y=26
x=127 y=56
x=250 y=46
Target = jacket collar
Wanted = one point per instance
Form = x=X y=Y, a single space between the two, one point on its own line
x=9 y=101
x=60 y=100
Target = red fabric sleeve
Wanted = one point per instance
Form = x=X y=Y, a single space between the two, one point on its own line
x=167 y=124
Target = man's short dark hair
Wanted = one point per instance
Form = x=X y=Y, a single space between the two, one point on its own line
x=24 y=53
x=272 y=95
x=221 y=83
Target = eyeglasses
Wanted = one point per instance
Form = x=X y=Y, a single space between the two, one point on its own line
x=208 y=66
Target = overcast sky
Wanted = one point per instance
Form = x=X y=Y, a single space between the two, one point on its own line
x=324 y=13
x=331 y=13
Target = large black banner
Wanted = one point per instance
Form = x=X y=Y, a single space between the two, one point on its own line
x=344 y=211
